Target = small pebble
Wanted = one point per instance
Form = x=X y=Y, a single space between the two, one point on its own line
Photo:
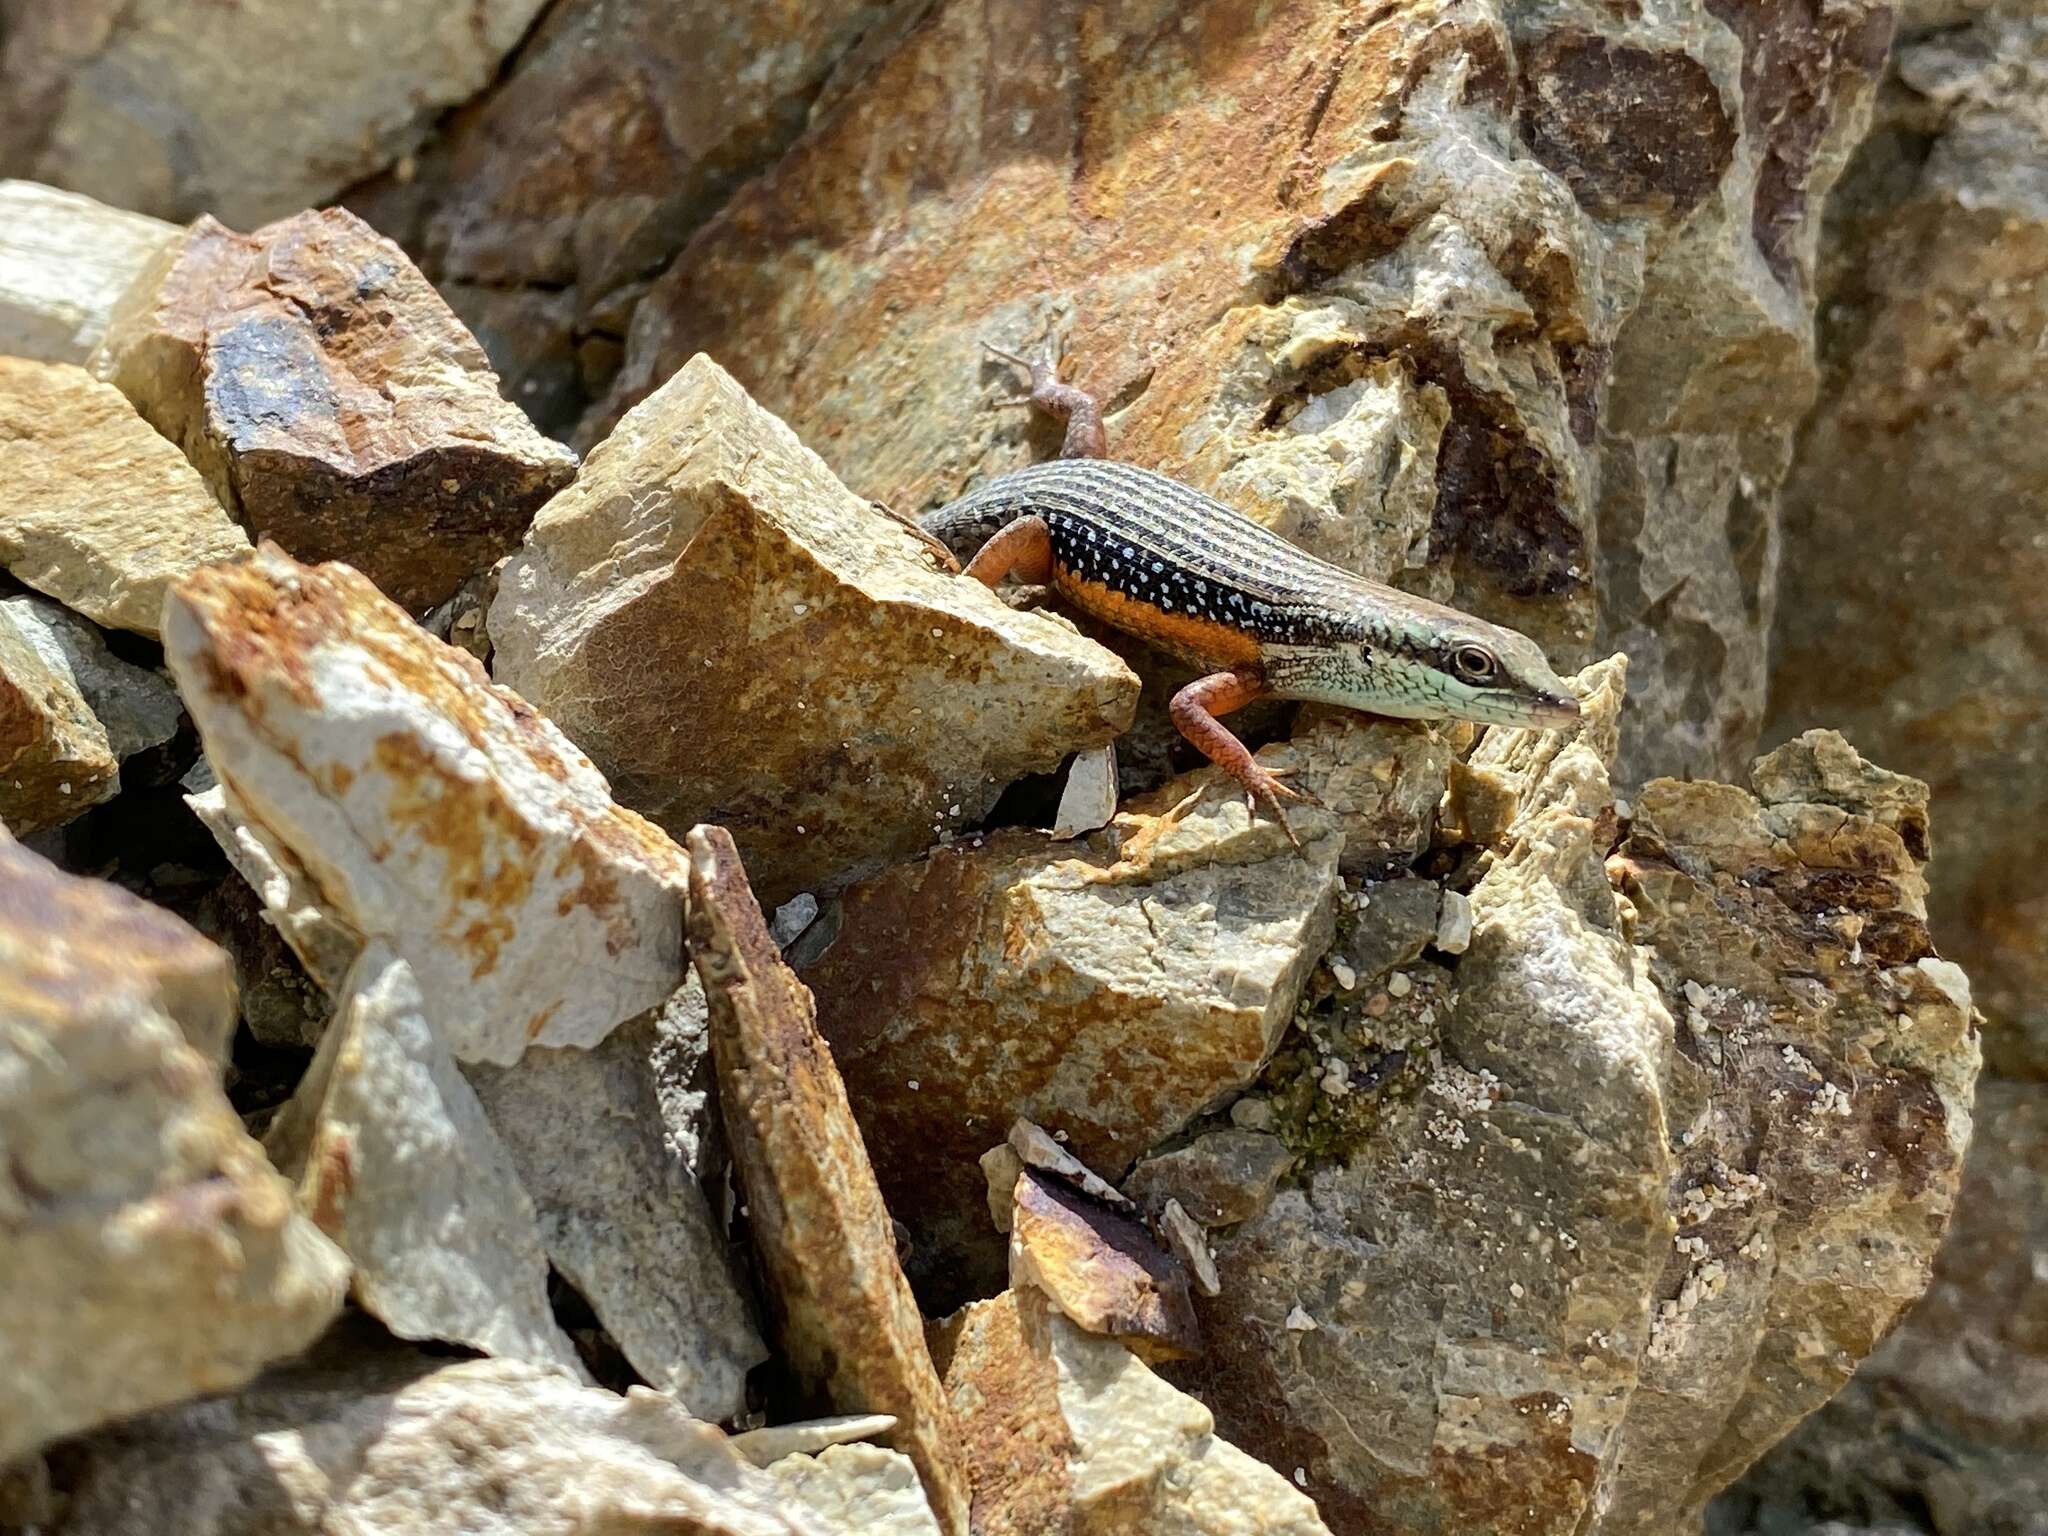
x=1300 y=1321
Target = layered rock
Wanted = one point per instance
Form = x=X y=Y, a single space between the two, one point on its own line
x=332 y=401
x=250 y=114
x=65 y=261
x=152 y=1252
x=846 y=1320
x=101 y=512
x=736 y=638
x=55 y=759
x=425 y=807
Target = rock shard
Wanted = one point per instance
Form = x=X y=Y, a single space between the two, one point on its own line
x=427 y=808
x=847 y=1322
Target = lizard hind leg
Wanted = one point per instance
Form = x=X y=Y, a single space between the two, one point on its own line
x=1194 y=710
x=1063 y=402
x=1022 y=549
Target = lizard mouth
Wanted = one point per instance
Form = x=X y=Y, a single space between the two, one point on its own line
x=1556 y=712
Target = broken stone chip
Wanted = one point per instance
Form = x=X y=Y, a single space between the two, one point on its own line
x=1101 y=1268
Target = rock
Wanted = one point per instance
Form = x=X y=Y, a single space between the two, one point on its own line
x=153 y=1253
x=65 y=261
x=283 y=1007
x=250 y=114
x=1101 y=1268
x=332 y=402
x=1918 y=637
x=1945 y=1428
x=621 y=1213
x=616 y=128
x=1001 y=1167
x=1222 y=1177
x=370 y=1436
x=1035 y=1149
x=738 y=639
x=394 y=1159
x=427 y=807
x=1088 y=801
x=846 y=1320
x=1110 y=988
x=1381 y=779
x=136 y=707
x=858 y=1488
x=55 y=759
x=102 y=513
x=1573 y=1257
x=1385 y=926
x=1184 y=1240
x=764 y=1447
x=1068 y=1431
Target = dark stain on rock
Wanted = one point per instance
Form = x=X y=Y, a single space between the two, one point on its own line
x=1632 y=132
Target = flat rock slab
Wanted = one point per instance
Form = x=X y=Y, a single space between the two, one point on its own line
x=394 y=1159
x=332 y=401
x=152 y=1251
x=1108 y=989
x=427 y=807
x=101 y=512
x=65 y=261
x=367 y=1435
x=736 y=638
x=847 y=1321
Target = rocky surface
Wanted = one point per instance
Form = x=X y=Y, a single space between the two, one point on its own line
x=846 y=1320
x=428 y=808
x=737 y=638
x=101 y=512
x=152 y=1253
x=1101 y=1268
x=65 y=261
x=174 y=111
x=332 y=401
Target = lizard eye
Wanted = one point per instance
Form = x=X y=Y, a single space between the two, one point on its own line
x=1474 y=664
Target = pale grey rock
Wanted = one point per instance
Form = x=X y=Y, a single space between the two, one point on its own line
x=1221 y=1177
x=1089 y=799
x=773 y=1442
x=621 y=1213
x=64 y=262
x=1185 y=1241
x=393 y=1157
x=861 y=1488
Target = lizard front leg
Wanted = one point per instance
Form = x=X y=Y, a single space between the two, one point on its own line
x=1063 y=402
x=1194 y=710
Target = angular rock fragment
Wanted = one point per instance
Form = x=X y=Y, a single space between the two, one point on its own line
x=1070 y=1432
x=65 y=261
x=858 y=1488
x=332 y=402
x=772 y=1443
x=846 y=1319
x=55 y=759
x=101 y=513
x=1109 y=988
x=251 y=113
x=393 y=1158
x=621 y=1213
x=737 y=638
x=1221 y=1177
x=1101 y=1268
x=427 y=808
x=152 y=1253
x=136 y=707
x=367 y=1435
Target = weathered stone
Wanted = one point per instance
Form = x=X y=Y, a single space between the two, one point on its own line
x=1109 y=988
x=1549 y=1258
x=64 y=262
x=371 y=1436
x=332 y=401
x=736 y=638
x=858 y=1488
x=101 y=512
x=136 y=707
x=770 y=1444
x=252 y=113
x=1088 y=800
x=55 y=759
x=1221 y=1177
x=1036 y=1149
x=846 y=1319
x=1918 y=635
x=1183 y=1237
x=621 y=1213
x=427 y=807
x=1384 y=926
x=1071 y=1433
x=617 y=128
x=152 y=1252
x=1101 y=1268
x=394 y=1159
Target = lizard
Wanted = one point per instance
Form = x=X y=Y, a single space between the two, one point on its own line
x=1161 y=561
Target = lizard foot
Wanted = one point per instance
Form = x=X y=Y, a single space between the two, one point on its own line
x=1263 y=788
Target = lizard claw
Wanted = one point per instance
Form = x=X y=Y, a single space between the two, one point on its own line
x=1262 y=788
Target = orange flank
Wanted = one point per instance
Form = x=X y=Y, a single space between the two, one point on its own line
x=1185 y=634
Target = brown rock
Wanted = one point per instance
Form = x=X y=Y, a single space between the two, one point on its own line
x=1004 y=1386
x=1221 y=1177
x=55 y=759
x=1108 y=988
x=332 y=401
x=847 y=1321
x=737 y=638
x=1101 y=1268
x=101 y=512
